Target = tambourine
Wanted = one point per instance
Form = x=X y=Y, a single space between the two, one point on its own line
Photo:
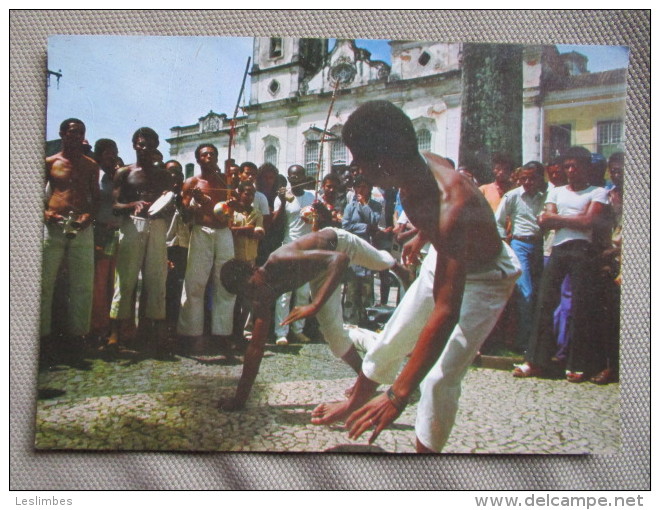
x=162 y=204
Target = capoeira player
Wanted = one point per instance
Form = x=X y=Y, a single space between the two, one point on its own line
x=464 y=283
x=319 y=258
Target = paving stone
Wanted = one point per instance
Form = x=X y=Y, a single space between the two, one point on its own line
x=173 y=406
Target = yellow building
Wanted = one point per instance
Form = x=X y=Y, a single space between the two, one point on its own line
x=586 y=110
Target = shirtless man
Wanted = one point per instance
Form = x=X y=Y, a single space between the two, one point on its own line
x=141 y=242
x=449 y=310
x=320 y=259
x=72 y=197
x=211 y=245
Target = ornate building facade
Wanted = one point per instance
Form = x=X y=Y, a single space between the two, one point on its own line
x=292 y=82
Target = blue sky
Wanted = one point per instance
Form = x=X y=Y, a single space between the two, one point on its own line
x=117 y=84
x=601 y=58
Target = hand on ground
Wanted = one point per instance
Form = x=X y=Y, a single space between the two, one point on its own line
x=378 y=413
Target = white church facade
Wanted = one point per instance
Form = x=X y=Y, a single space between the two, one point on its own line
x=291 y=88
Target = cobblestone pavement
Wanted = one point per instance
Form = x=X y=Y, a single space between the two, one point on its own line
x=158 y=405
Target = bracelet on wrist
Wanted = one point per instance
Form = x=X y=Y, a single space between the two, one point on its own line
x=398 y=402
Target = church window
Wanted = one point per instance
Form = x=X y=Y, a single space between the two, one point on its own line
x=424 y=139
x=275 y=47
x=311 y=157
x=270 y=155
x=338 y=153
x=424 y=58
x=274 y=87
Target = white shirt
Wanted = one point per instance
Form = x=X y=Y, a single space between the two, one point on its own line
x=260 y=203
x=573 y=203
x=522 y=208
x=294 y=226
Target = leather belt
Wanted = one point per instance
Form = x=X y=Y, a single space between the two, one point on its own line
x=527 y=239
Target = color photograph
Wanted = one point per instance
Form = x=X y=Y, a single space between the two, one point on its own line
x=280 y=244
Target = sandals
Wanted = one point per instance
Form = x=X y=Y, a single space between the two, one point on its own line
x=527 y=370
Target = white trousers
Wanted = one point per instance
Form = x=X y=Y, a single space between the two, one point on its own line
x=79 y=254
x=330 y=315
x=283 y=307
x=209 y=249
x=484 y=298
x=141 y=248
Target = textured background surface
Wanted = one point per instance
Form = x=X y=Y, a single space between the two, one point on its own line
x=629 y=469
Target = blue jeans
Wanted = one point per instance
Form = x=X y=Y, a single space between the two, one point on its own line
x=530 y=256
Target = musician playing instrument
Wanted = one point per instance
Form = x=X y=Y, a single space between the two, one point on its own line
x=211 y=245
x=142 y=246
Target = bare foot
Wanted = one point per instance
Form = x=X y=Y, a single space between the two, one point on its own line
x=361 y=393
x=326 y=414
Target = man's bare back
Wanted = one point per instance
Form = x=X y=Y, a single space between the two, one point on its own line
x=465 y=207
x=307 y=258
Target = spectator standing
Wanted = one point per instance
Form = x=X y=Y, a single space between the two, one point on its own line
x=504 y=331
x=574 y=211
x=248 y=173
x=248 y=230
x=361 y=217
x=330 y=205
x=178 y=242
x=142 y=245
x=520 y=208
x=502 y=170
x=72 y=195
x=610 y=279
x=288 y=207
x=106 y=228
x=211 y=245
x=267 y=183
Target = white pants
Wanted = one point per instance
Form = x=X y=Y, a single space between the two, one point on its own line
x=209 y=249
x=79 y=253
x=146 y=251
x=330 y=315
x=283 y=307
x=484 y=298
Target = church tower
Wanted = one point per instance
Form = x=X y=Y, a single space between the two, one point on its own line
x=282 y=64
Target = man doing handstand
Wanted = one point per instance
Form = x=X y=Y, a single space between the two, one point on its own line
x=464 y=283
x=319 y=258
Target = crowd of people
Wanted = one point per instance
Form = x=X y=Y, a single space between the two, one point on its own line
x=566 y=233
x=179 y=249
x=231 y=258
